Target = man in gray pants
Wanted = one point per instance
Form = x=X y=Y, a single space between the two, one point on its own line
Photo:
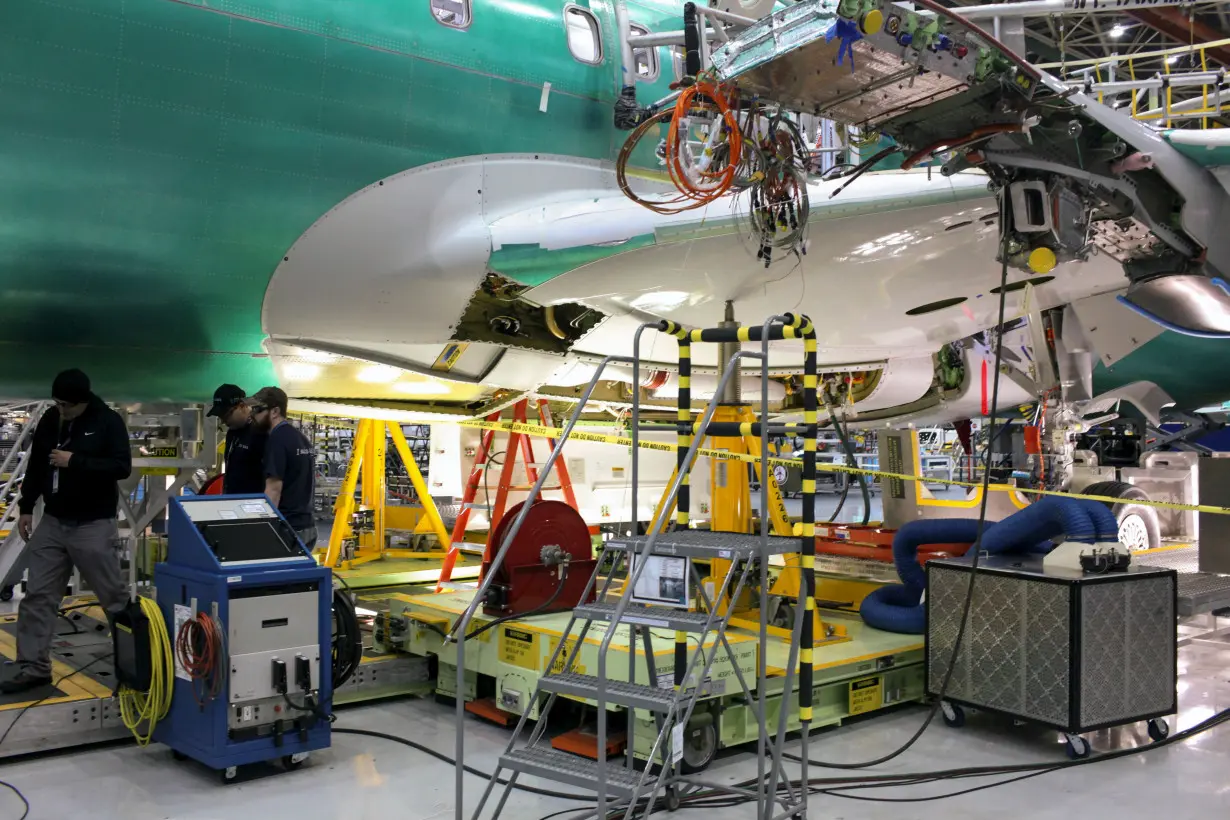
x=80 y=450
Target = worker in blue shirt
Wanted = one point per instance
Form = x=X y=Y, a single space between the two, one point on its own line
x=245 y=444
x=290 y=464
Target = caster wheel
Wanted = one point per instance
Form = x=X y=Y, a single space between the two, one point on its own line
x=229 y=774
x=6 y=593
x=700 y=747
x=178 y=755
x=1159 y=729
x=292 y=762
x=1077 y=747
x=672 y=799
x=954 y=715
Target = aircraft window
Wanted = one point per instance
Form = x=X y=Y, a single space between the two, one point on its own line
x=584 y=40
x=676 y=53
x=452 y=13
x=646 y=59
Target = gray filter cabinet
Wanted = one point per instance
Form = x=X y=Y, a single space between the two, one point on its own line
x=1077 y=652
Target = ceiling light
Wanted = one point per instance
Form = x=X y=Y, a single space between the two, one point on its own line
x=1118 y=31
x=300 y=371
x=378 y=374
x=427 y=387
x=1173 y=58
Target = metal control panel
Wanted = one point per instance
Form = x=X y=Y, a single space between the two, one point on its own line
x=269 y=629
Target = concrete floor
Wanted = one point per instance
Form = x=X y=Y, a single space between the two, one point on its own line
x=361 y=778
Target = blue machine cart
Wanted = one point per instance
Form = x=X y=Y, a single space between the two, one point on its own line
x=236 y=559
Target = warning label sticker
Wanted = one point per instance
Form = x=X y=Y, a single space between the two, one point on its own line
x=519 y=648
x=558 y=666
x=865 y=695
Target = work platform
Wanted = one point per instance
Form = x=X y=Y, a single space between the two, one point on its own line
x=394 y=572
x=872 y=670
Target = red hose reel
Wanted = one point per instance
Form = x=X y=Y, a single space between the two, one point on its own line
x=553 y=539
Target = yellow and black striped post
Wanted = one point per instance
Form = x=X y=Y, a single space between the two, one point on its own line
x=807 y=548
x=684 y=440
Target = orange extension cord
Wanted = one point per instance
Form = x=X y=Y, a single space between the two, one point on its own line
x=200 y=648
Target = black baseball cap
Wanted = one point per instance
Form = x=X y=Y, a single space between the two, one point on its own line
x=226 y=397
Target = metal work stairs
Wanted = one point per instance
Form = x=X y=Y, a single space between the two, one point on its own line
x=635 y=790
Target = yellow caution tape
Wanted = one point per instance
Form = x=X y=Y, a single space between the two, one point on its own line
x=726 y=455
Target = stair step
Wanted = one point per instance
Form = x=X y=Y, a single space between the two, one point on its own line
x=563 y=767
x=636 y=695
x=642 y=615
x=706 y=544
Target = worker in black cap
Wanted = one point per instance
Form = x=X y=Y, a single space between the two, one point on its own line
x=79 y=451
x=244 y=456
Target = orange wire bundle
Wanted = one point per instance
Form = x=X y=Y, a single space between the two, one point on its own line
x=714 y=183
x=200 y=649
x=709 y=185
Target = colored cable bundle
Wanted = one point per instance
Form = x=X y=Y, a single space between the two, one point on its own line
x=200 y=647
x=699 y=180
x=151 y=706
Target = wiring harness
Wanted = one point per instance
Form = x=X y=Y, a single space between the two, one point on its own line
x=717 y=144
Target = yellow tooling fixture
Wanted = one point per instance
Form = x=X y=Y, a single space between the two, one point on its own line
x=624 y=441
x=367 y=459
x=732 y=512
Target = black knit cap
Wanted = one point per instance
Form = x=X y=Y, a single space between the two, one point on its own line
x=71 y=386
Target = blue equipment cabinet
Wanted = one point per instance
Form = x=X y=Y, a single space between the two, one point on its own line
x=235 y=558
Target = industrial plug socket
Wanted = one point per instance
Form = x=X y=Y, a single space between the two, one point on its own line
x=303 y=674
x=279 y=676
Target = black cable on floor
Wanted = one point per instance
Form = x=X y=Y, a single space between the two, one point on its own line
x=443 y=758
x=24 y=802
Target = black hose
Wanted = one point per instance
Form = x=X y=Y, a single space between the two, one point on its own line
x=851 y=462
x=347 y=648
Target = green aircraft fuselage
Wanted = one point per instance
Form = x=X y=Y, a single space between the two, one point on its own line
x=158 y=157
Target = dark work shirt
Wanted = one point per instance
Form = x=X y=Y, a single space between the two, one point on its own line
x=288 y=456
x=245 y=461
x=86 y=489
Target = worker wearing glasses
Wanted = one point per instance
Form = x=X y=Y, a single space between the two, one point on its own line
x=290 y=464
x=244 y=453
x=79 y=451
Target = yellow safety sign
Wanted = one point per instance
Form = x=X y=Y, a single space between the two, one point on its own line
x=519 y=647
x=865 y=695
x=625 y=441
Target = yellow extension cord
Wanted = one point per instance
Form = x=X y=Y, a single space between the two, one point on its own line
x=150 y=707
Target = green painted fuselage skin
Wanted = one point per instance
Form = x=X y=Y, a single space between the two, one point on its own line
x=158 y=157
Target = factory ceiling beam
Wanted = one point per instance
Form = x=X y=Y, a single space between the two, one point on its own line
x=1175 y=24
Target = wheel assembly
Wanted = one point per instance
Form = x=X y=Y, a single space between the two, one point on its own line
x=1076 y=747
x=954 y=715
x=1138 y=525
x=700 y=744
x=1159 y=729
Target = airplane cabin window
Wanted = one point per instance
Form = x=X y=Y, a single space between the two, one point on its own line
x=584 y=38
x=452 y=13
x=645 y=59
x=676 y=53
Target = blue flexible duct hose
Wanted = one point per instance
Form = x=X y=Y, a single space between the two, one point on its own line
x=899 y=608
x=1105 y=525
